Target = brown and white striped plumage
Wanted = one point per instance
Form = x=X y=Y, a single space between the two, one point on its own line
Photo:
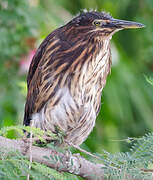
x=67 y=75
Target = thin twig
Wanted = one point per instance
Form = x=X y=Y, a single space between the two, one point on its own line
x=84 y=151
x=30 y=149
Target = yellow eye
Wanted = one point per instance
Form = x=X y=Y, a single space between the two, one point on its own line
x=97 y=23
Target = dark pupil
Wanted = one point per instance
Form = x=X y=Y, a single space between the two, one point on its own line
x=97 y=23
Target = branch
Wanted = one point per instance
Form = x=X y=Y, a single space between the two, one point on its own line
x=74 y=164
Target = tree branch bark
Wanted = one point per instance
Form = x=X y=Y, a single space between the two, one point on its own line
x=74 y=164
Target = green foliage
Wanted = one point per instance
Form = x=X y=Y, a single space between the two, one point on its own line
x=36 y=132
x=15 y=166
x=137 y=163
x=149 y=80
x=19 y=26
x=133 y=164
x=23 y=87
x=16 y=25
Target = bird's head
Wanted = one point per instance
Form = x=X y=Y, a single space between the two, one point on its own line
x=99 y=24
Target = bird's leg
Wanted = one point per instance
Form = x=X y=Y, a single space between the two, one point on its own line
x=72 y=162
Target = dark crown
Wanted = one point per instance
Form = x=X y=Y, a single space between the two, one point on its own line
x=86 y=17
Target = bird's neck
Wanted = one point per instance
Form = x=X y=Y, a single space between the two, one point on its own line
x=92 y=78
x=101 y=58
x=102 y=51
x=94 y=65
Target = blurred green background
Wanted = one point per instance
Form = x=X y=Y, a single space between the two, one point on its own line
x=127 y=100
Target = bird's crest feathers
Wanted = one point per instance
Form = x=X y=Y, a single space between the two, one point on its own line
x=90 y=15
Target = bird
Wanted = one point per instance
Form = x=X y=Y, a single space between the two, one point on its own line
x=68 y=73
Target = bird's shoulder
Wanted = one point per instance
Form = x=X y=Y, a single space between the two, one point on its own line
x=52 y=46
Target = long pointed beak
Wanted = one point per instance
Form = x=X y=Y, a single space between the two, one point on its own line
x=122 y=24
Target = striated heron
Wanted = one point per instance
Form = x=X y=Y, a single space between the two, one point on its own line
x=68 y=73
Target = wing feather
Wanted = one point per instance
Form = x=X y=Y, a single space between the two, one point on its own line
x=43 y=75
x=37 y=87
x=48 y=67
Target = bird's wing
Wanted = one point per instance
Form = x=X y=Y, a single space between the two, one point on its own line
x=37 y=58
x=45 y=72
